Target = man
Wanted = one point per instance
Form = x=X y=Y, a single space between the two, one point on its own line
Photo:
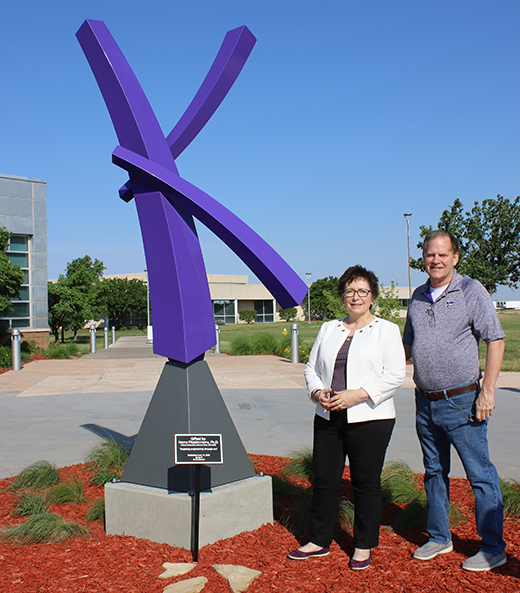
x=446 y=318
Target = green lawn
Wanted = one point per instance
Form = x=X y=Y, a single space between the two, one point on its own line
x=510 y=321
x=83 y=337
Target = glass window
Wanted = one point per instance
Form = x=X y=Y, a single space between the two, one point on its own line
x=224 y=312
x=20 y=310
x=24 y=294
x=264 y=311
x=18 y=243
x=20 y=259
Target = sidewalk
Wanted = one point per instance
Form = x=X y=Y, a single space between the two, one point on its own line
x=57 y=409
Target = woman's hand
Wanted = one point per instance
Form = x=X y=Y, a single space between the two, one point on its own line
x=341 y=400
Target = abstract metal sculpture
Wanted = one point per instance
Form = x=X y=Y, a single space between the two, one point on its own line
x=166 y=203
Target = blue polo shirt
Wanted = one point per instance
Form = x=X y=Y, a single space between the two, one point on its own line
x=444 y=335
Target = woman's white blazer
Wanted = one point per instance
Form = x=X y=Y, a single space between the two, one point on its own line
x=376 y=363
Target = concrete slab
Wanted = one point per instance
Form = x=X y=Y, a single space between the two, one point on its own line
x=49 y=420
x=165 y=517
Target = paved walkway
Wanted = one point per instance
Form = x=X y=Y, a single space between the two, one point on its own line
x=58 y=409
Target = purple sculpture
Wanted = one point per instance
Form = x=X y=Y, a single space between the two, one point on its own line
x=166 y=204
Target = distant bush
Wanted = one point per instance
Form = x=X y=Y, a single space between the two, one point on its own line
x=247 y=315
x=287 y=314
x=28 y=346
x=5 y=357
x=61 y=351
x=241 y=346
x=264 y=343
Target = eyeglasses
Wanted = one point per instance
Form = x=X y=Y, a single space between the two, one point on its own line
x=362 y=293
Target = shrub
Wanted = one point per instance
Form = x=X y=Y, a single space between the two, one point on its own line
x=45 y=527
x=264 y=343
x=247 y=315
x=71 y=491
x=511 y=497
x=107 y=460
x=397 y=481
x=240 y=346
x=287 y=314
x=28 y=346
x=39 y=475
x=30 y=504
x=96 y=511
x=300 y=465
x=5 y=357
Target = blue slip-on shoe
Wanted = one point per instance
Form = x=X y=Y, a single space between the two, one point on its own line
x=360 y=564
x=299 y=555
x=484 y=561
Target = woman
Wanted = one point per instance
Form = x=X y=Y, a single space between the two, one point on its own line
x=355 y=366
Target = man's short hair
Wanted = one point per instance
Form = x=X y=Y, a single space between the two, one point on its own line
x=355 y=272
x=435 y=234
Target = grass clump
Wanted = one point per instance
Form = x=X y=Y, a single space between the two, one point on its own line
x=296 y=518
x=511 y=497
x=398 y=483
x=264 y=343
x=30 y=503
x=346 y=514
x=44 y=527
x=300 y=465
x=107 y=461
x=71 y=491
x=399 y=487
x=240 y=346
x=96 y=511
x=61 y=351
x=39 y=475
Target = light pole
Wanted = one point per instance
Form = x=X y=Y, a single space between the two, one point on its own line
x=149 y=329
x=308 y=274
x=407 y=218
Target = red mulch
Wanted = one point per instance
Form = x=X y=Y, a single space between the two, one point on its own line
x=127 y=564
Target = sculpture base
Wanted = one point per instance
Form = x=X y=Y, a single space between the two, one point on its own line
x=163 y=516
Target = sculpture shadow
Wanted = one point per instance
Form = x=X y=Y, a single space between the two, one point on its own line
x=109 y=434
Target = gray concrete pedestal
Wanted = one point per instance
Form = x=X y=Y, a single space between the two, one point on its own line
x=164 y=516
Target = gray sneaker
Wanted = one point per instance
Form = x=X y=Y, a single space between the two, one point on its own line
x=432 y=549
x=484 y=561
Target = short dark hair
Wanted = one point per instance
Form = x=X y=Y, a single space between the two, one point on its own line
x=355 y=272
x=436 y=234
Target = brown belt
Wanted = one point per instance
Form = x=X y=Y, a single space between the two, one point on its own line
x=437 y=395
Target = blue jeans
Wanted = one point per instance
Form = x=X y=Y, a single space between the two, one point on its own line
x=439 y=425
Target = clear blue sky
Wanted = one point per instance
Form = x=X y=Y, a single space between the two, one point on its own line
x=347 y=115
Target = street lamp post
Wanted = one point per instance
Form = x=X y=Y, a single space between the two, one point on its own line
x=308 y=274
x=149 y=329
x=407 y=218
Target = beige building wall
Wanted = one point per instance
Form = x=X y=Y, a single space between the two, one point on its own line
x=227 y=287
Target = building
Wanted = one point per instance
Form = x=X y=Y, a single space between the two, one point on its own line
x=23 y=212
x=231 y=294
x=507 y=305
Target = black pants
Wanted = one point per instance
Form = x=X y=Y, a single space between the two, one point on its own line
x=365 y=443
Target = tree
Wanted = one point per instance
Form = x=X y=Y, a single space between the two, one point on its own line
x=11 y=276
x=319 y=303
x=67 y=306
x=72 y=299
x=247 y=315
x=489 y=239
x=287 y=314
x=119 y=298
x=387 y=303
